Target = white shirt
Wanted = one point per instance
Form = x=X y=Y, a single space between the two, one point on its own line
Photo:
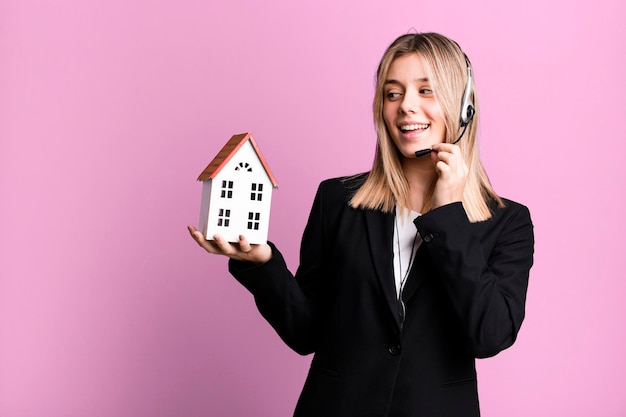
x=406 y=241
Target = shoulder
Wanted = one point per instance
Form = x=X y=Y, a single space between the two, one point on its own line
x=513 y=217
x=341 y=187
x=511 y=209
x=331 y=205
x=332 y=200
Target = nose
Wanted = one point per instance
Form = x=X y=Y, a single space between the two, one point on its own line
x=410 y=101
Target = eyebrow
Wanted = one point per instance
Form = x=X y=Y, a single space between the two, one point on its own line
x=392 y=81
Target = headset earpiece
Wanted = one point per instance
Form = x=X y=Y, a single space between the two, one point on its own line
x=467 y=108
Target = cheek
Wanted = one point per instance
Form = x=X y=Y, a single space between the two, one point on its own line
x=436 y=113
x=388 y=115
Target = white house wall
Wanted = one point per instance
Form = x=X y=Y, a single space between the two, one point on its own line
x=204 y=207
x=229 y=208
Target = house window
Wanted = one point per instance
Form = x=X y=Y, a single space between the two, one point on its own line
x=223 y=217
x=227 y=189
x=243 y=166
x=254 y=221
x=256 y=192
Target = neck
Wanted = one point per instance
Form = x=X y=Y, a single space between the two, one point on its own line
x=421 y=176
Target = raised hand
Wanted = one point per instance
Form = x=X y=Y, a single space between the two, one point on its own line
x=452 y=171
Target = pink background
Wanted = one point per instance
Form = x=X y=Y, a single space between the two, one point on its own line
x=110 y=109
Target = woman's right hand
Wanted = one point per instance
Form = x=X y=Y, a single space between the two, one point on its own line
x=241 y=251
x=452 y=171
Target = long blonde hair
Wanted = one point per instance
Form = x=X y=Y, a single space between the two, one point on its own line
x=446 y=65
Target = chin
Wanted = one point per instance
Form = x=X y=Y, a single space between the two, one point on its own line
x=409 y=153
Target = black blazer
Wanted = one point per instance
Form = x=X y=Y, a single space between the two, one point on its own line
x=464 y=299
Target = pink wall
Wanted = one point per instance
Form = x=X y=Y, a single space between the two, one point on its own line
x=110 y=109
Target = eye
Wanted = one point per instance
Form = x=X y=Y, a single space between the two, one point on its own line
x=426 y=91
x=392 y=95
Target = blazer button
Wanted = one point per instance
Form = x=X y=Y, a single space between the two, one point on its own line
x=428 y=237
x=393 y=349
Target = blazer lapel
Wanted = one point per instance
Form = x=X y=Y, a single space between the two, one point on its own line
x=380 y=240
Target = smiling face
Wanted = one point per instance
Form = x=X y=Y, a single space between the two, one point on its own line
x=414 y=119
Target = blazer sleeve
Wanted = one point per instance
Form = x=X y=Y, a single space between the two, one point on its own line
x=293 y=304
x=486 y=279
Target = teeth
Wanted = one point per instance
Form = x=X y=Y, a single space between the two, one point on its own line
x=415 y=126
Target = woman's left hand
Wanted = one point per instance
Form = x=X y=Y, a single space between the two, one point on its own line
x=452 y=171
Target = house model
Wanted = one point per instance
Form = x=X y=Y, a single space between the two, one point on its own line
x=237 y=192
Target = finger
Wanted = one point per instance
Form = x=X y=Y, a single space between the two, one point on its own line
x=443 y=169
x=208 y=245
x=449 y=153
x=244 y=245
x=195 y=234
x=223 y=246
x=446 y=157
x=446 y=147
x=446 y=164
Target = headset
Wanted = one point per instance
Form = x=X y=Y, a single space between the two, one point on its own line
x=467 y=109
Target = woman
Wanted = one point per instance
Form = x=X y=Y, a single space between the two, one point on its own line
x=409 y=272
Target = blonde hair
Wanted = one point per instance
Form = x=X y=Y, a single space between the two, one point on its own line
x=446 y=65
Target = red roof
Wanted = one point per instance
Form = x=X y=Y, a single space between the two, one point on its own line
x=227 y=152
